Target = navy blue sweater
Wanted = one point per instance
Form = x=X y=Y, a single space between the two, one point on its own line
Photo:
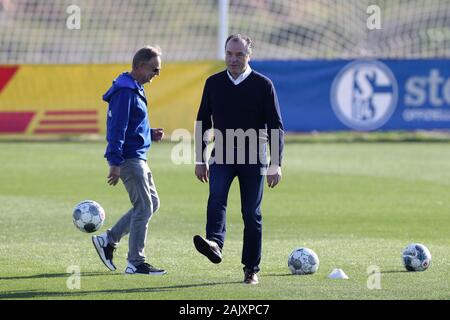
x=252 y=104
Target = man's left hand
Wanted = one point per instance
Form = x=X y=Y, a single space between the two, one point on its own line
x=273 y=176
x=114 y=175
x=157 y=134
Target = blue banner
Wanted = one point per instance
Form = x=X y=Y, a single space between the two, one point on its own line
x=364 y=95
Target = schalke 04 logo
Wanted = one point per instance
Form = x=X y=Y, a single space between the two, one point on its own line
x=364 y=95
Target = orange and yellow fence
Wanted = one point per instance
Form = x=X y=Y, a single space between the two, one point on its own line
x=39 y=100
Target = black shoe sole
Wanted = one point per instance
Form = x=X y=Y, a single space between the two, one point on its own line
x=203 y=247
x=159 y=273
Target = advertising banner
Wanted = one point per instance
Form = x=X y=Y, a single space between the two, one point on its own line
x=363 y=95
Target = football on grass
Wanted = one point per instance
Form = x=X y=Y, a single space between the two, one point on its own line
x=88 y=216
x=416 y=257
x=303 y=261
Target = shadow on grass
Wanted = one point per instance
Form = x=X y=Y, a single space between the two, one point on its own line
x=276 y=274
x=395 y=271
x=59 y=275
x=59 y=295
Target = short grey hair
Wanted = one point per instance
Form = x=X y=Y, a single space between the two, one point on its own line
x=145 y=54
x=247 y=41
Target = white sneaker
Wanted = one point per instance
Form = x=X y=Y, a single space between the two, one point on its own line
x=105 y=250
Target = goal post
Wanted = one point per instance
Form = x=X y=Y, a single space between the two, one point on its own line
x=109 y=31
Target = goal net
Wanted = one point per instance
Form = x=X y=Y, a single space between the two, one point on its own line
x=109 y=31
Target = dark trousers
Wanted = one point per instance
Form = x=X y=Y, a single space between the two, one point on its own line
x=251 y=183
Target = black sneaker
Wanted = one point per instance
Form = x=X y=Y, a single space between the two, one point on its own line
x=250 y=277
x=208 y=248
x=105 y=250
x=144 y=268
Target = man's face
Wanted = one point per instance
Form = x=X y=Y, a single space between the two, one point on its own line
x=236 y=57
x=148 y=70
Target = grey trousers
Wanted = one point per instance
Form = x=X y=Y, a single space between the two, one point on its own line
x=138 y=181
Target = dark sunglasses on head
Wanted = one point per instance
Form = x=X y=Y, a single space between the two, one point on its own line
x=155 y=70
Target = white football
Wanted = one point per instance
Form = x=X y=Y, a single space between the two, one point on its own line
x=88 y=216
x=303 y=261
x=416 y=257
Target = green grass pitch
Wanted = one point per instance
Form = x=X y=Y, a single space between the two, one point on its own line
x=356 y=205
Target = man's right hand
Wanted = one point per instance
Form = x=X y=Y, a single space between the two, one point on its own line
x=202 y=172
x=114 y=175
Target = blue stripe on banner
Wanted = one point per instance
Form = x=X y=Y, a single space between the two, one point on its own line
x=333 y=95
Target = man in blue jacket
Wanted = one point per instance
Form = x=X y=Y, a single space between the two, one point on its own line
x=129 y=137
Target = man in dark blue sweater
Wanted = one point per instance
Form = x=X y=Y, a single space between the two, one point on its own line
x=242 y=107
x=129 y=137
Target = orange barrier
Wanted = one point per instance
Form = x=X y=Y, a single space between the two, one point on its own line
x=40 y=100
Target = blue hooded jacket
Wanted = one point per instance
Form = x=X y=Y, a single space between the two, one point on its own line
x=128 y=129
